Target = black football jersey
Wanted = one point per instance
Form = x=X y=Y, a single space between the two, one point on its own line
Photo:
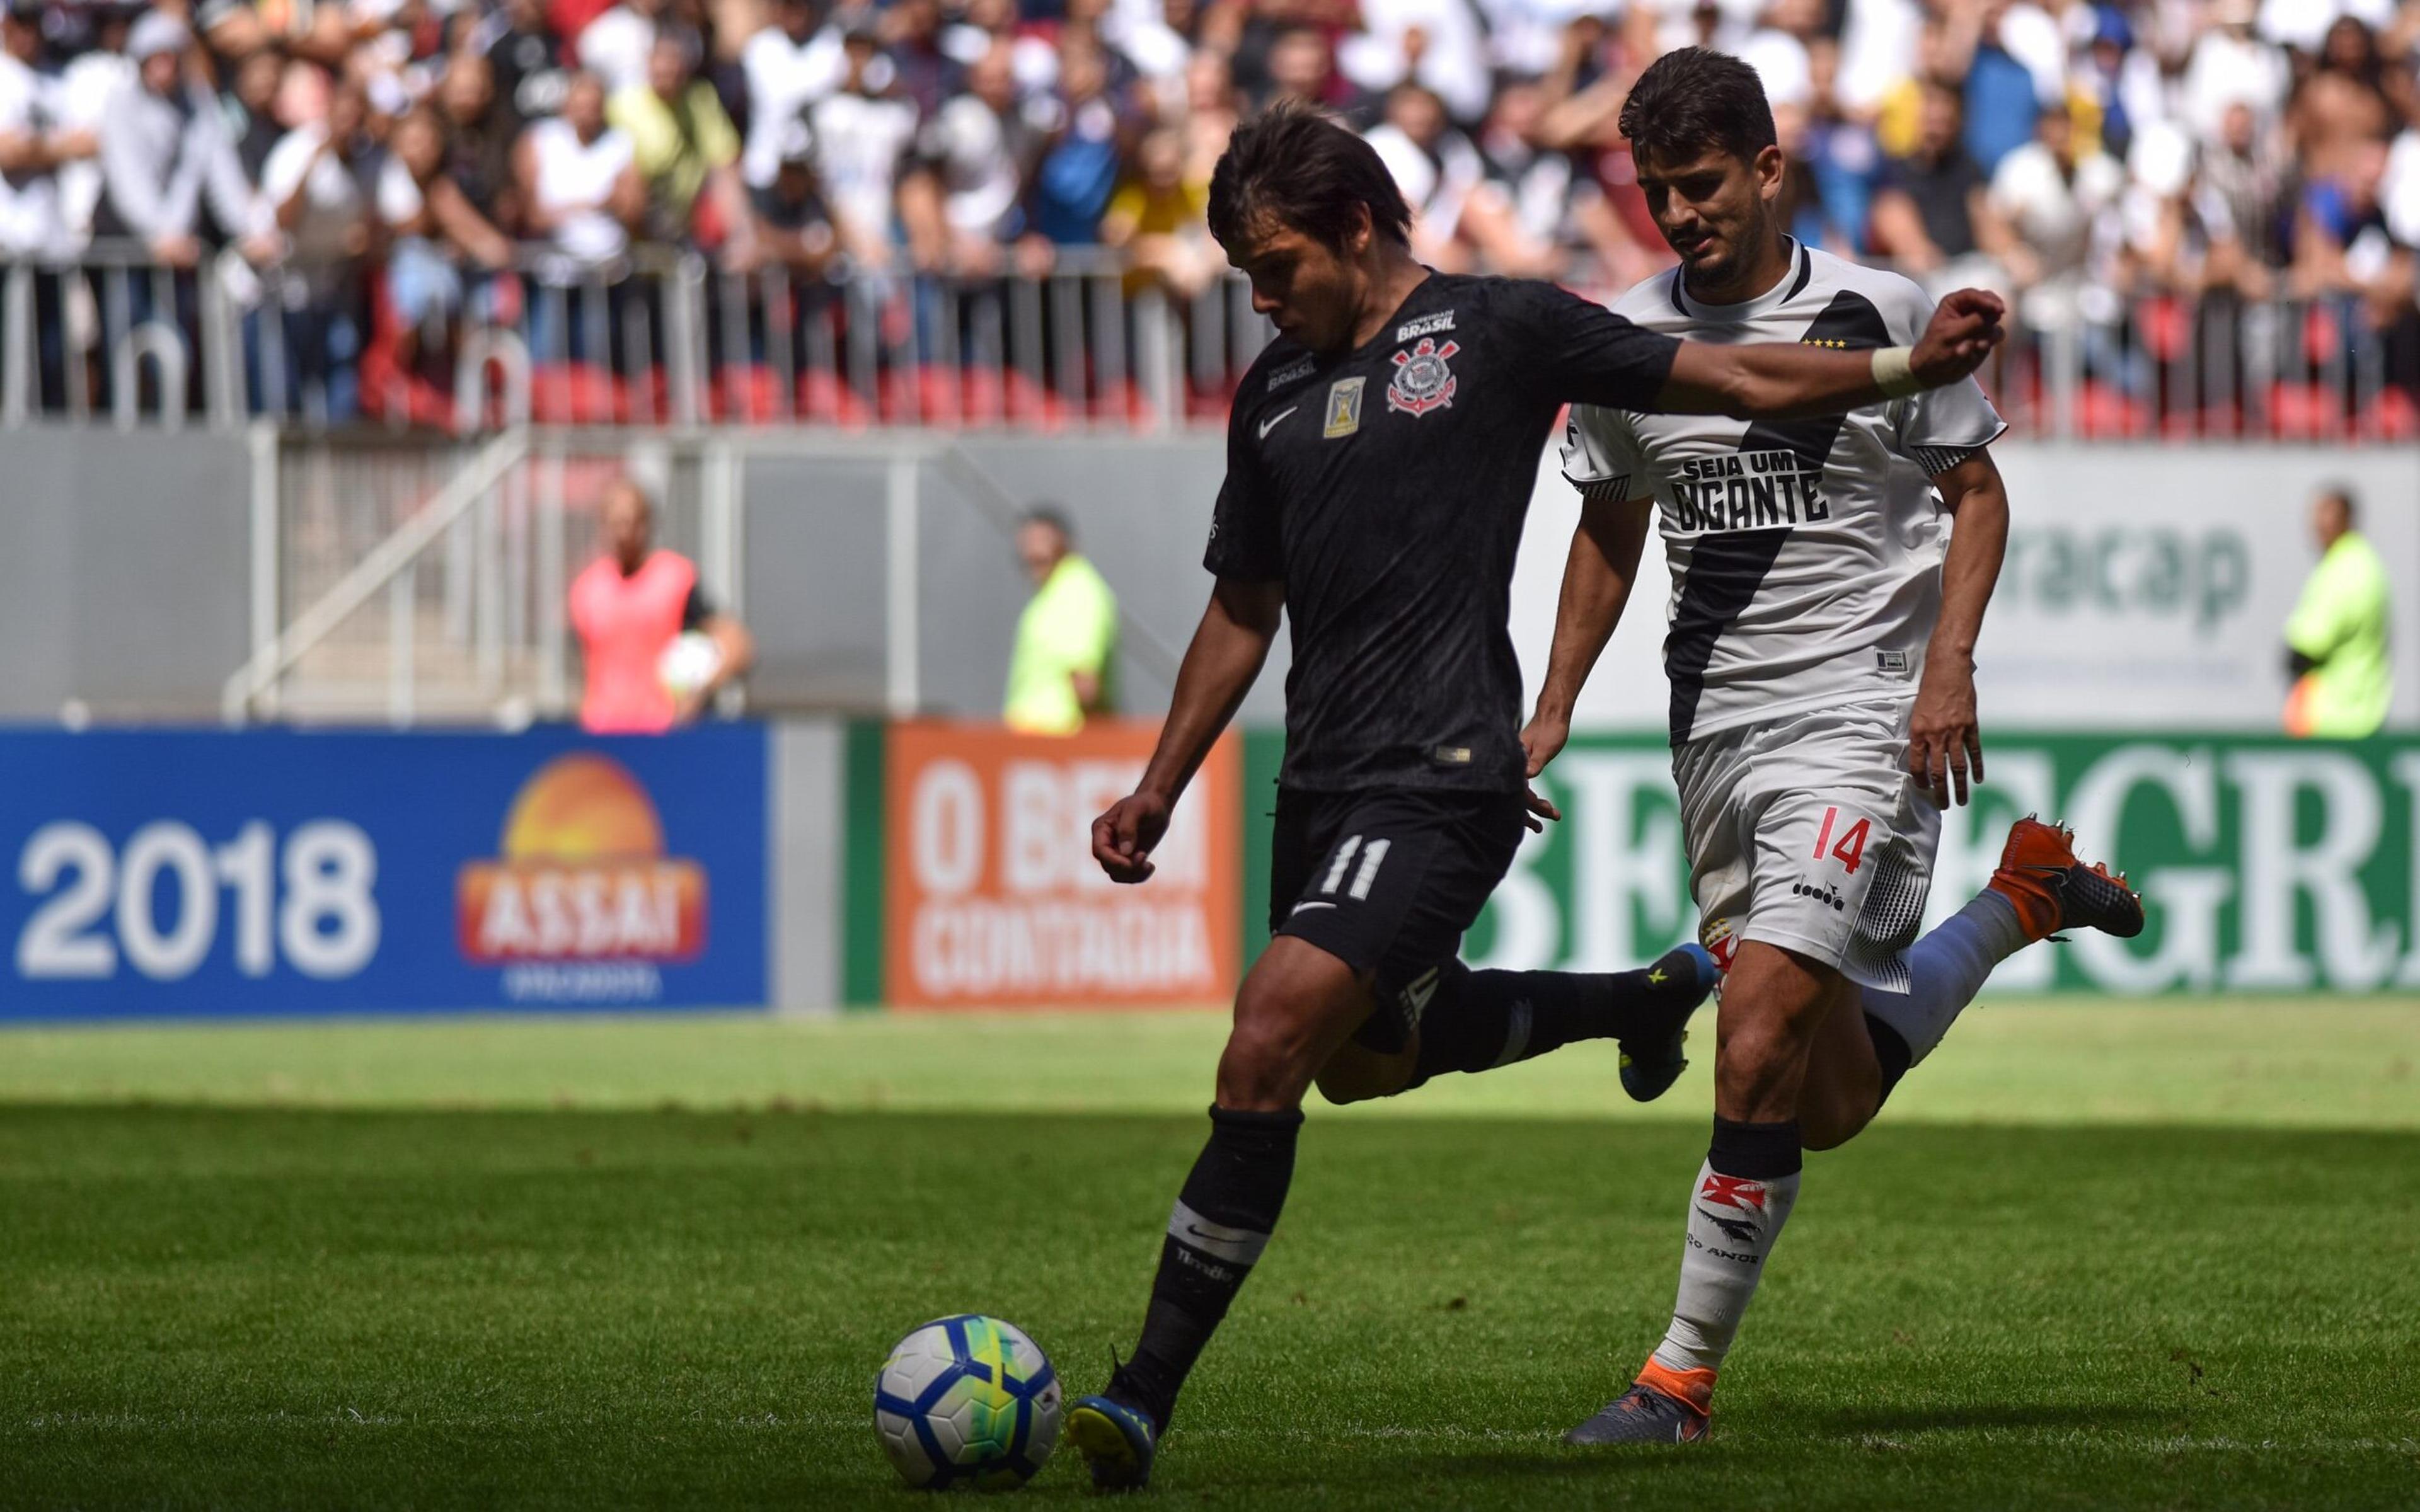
x=1385 y=487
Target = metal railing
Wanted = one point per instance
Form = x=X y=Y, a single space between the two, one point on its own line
x=665 y=338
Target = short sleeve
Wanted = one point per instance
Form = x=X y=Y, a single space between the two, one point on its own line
x=1577 y=351
x=1601 y=453
x=1244 y=528
x=1940 y=427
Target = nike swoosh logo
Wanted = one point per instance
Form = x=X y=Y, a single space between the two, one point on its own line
x=1271 y=424
x=1299 y=907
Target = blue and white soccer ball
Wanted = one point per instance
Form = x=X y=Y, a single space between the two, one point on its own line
x=967 y=1400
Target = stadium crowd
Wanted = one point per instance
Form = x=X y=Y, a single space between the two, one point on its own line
x=360 y=177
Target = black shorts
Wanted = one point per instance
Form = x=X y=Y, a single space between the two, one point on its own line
x=1387 y=880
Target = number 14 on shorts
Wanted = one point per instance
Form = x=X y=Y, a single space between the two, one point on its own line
x=1849 y=849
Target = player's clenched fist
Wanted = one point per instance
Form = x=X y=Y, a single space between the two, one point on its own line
x=1962 y=332
x=1123 y=837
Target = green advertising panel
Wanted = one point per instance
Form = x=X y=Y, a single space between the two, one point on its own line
x=2267 y=865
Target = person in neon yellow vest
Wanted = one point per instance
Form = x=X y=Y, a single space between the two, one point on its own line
x=2336 y=640
x=1062 y=671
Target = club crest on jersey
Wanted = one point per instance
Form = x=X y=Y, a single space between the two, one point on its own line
x=1344 y=408
x=1422 y=381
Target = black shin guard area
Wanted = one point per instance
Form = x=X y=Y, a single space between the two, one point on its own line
x=1222 y=1221
x=1891 y=1053
x=1479 y=1020
x=1756 y=1151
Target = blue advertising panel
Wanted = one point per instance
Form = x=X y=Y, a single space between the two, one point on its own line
x=245 y=874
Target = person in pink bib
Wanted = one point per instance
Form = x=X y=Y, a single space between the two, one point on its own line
x=629 y=608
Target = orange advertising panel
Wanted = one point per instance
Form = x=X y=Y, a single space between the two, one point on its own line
x=992 y=897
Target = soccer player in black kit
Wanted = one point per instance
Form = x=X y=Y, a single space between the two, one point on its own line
x=1380 y=457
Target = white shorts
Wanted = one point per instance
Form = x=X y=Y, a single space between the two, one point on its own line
x=1806 y=832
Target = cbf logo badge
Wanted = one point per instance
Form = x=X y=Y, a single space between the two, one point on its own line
x=1422 y=381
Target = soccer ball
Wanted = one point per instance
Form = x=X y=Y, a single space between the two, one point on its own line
x=967 y=1400
x=688 y=663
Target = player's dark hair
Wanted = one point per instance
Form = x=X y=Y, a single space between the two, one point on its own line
x=1050 y=515
x=1301 y=169
x=1693 y=97
x=2342 y=493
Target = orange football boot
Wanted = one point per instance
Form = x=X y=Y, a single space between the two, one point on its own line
x=2051 y=890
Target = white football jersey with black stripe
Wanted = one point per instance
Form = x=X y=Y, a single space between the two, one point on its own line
x=1806 y=554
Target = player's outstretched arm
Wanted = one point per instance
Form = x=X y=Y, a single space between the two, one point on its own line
x=1775 y=381
x=1945 y=741
x=1228 y=648
x=1597 y=578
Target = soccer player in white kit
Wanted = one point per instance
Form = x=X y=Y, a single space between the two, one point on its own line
x=1822 y=698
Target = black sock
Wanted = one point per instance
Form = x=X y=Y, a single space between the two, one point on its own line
x=1221 y=1223
x=1891 y=1053
x=1480 y=1020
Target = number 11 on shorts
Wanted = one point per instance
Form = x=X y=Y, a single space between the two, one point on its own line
x=1850 y=850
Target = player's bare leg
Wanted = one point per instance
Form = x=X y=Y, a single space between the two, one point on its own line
x=1805 y=1063
x=1775 y=1005
x=1295 y=1006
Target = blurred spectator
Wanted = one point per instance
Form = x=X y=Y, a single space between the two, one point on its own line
x=2240 y=201
x=1301 y=67
x=628 y=607
x=1459 y=219
x=1157 y=218
x=319 y=187
x=35 y=143
x=1926 y=211
x=920 y=69
x=794 y=225
x=478 y=139
x=2229 y=66
x=163 y=147
x=431 y=229
x=863 y=135
x=582 y=200
x=687 y=151
x=1436 y=44
x=981 y=149
x=1064 y=669
x=580 y=181
x=2336 y=642
x=2339 y=108
x=2044 y=207
x=2016 y=72
x=618 y=46
x=87 y=85
x=521 y=47
x=258 y=81
x=790 y=65
x=1091 y=132
x=1209 y=116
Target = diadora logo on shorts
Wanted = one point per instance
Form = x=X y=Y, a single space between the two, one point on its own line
x=1422 y=381
x=1823 y=893
x=1426 y=325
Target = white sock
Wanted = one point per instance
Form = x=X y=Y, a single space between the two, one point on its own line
x=1946 y=968
x=1733 y=1225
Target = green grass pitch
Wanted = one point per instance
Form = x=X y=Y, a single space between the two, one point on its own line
x=2093 y=1256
